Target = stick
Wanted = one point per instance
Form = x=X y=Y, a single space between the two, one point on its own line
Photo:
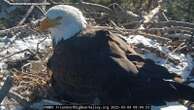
x=153 y=36
x=25 y=27
x=31 y=4
x=26 y=15
x=41 y=10
x=101 y=7
x=164 y=15
x=18 y=98
x=152 y=13
x=16 y=53
x=168 y=55
x=41 y=41
x=171 y=23
x=168 y=29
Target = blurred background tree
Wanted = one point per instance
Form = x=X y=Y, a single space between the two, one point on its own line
x=180 y=10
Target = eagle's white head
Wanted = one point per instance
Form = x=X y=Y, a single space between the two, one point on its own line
x=63 y=21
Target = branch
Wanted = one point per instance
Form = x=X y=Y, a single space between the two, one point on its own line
x=151 y=14
x=16 y=53
x=41 y=10
x=171 y=32
x=93 y=5
x=26 y=15
x=31 y=4
x=41 y=41
x=20 y=28
x=173 y=51
x=169 y=29
x=18 y=98
x=171 y=23
x=165 y=17
x=156 y=37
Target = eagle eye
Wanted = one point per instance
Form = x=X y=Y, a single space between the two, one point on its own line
x=58 y=18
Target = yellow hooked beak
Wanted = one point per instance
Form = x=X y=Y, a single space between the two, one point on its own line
x=45 y=24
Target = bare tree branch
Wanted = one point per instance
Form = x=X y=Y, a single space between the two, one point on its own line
x=103 y=8
x=171 y=23
x=26 y=15
x=16 y=53
x=34 y=4
x=151 y=14
x=20 y=28
x=18 y=98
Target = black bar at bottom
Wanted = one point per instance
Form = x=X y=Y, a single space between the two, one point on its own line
x=97 y=107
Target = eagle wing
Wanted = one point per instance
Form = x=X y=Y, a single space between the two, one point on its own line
x=90 y=62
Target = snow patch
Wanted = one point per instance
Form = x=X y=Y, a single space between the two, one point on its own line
x=15 y=44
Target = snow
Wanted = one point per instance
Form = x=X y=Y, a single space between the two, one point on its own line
x=171 y=107
x=138 y=39
x=175 y=107
x=15 y=44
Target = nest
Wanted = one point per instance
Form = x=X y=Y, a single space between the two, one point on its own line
x=31 y=78
x=31 y=84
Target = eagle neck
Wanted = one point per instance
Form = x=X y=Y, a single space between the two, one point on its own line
x=54 y=42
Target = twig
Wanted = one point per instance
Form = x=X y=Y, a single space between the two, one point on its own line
x=18 y=98
x=53 y=2
x=8 y=104
x=13 y=29
x=116 y=26
x=179 y=46
x=21 y=28
x=25 y=66
x=168 y=29
x=16 y=53
x=171 y=23
x=112 y=28
x=26 y=15
x=153 y=36
x=44 y=6
x=152 y=13
x=180 y=36
x=30 y=4
x=93 y=5
x=164 y=15
x=127 y=24
x=41 y=10
x=41 y=41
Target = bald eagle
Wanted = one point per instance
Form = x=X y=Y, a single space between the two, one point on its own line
x=90 y=65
